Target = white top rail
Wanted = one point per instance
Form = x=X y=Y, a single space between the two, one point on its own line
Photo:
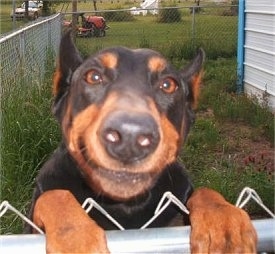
x=153 y=240
x=28 y=27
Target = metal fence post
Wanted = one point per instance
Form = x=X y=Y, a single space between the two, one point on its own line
x=18 y=57
x=22 y=58
x=193 y=26
x=13 y=16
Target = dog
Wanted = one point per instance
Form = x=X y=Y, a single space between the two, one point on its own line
x=124 y=116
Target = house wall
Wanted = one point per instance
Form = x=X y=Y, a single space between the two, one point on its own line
x=259 y=50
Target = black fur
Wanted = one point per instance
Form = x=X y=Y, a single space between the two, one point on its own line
x=61 y=171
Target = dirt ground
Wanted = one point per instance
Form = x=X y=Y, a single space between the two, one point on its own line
x=250 y=147
x=246 y=145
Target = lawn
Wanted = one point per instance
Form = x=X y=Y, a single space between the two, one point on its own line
x=6 y=24
x=208 y=29
x=230 y=146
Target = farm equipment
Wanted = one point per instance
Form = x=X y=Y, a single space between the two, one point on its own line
x=90 y=26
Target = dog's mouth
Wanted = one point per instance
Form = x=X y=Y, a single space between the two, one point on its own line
x=122 y=185
x=121 y=176
x=119 y=184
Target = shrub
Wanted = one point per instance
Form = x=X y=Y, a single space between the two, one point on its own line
x=118 y=16
x=169 y=15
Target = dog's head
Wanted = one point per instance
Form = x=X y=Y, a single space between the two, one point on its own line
x=124 y=114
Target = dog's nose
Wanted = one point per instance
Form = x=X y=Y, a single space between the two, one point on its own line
x=129 y=137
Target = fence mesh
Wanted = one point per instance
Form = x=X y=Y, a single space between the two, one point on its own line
x=24 y=53
x=25 y=133
x=174 y=31
x=23 y=71
x=171 y=30
x=154 y=240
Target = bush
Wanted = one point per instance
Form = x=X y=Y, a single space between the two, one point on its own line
x=169 y=15
x=118 y=16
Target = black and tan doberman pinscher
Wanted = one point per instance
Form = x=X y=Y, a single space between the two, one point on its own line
x=124 y=116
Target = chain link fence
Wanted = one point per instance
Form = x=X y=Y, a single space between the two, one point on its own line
x=26 y=128
x=174 y=31
x=27 y=133
x=24 y=52
x=152 y=240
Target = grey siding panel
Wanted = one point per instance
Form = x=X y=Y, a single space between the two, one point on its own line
x=266 y=43
x=260 y=58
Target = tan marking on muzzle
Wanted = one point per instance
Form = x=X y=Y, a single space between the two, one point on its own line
x=86 y=127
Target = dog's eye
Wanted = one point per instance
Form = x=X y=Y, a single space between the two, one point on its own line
x=169 y=85
x=93 y=77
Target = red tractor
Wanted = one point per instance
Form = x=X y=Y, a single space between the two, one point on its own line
x=90 y=26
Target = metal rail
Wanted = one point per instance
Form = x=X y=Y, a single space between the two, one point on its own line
x=155 y=240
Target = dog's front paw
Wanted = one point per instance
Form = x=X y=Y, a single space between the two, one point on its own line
x=67 y=227
x=219 y=227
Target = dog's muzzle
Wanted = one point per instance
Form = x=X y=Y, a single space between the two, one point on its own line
x=129 y=136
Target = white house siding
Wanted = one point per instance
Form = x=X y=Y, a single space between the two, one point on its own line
x=259 y=55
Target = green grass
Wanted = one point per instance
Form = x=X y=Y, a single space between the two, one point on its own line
x=172 y=39
x=6 y=24
x=208 y=30
x=29 y=132
x=221 y=96
x=221 y=140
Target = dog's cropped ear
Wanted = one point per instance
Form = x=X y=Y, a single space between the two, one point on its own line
x=69 y=59
x=192 y=74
